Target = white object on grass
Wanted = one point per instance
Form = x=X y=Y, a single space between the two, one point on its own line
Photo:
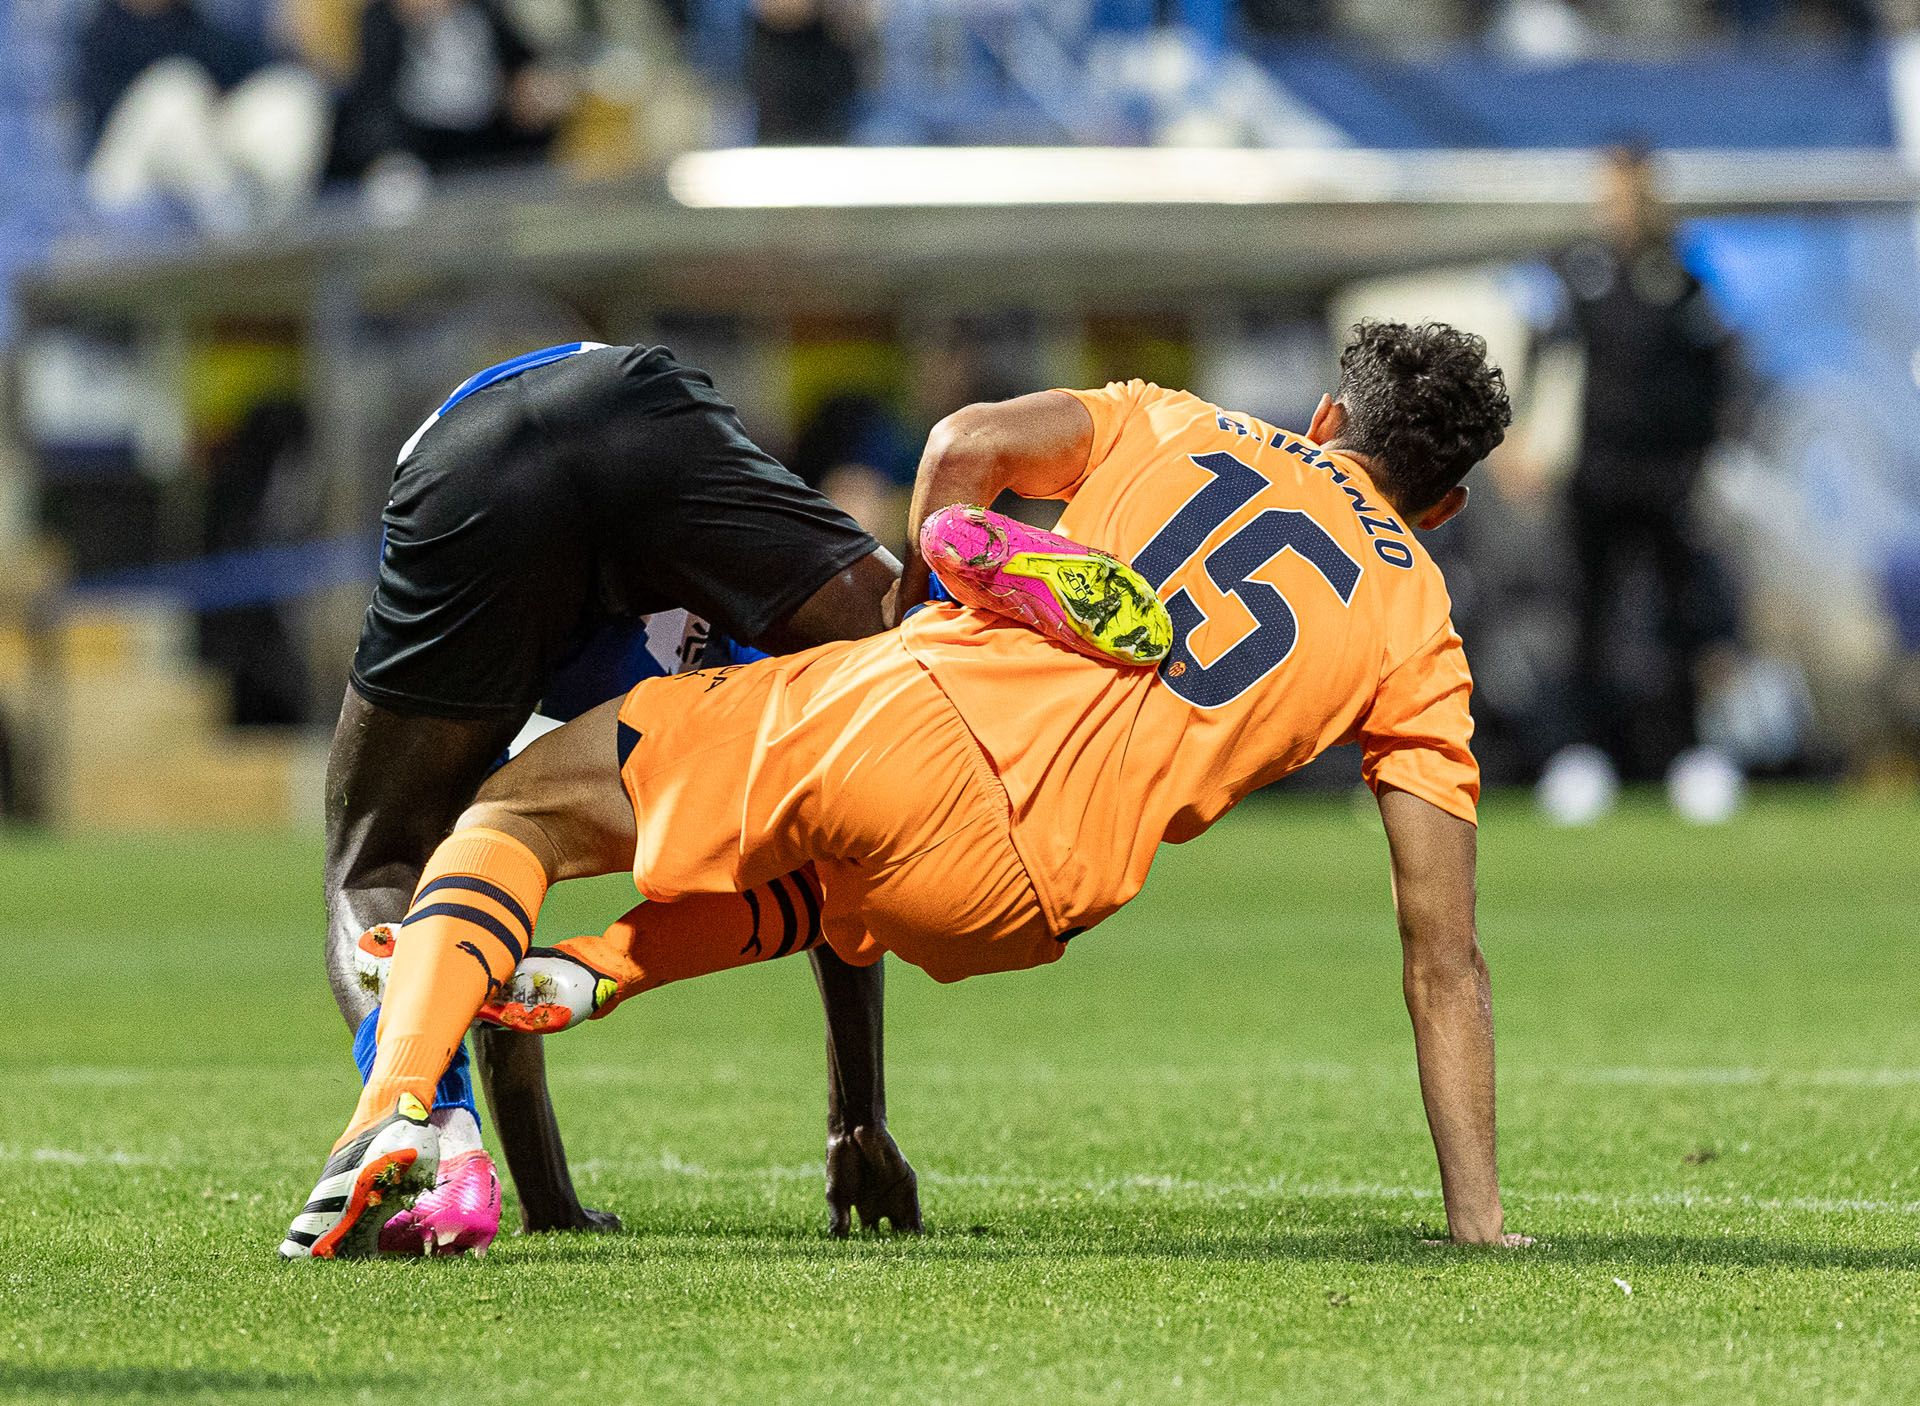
x=1578 y=787
x=1705 y=787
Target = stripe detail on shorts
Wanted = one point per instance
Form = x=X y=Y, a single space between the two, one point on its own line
x=753 y=938
x=811 y=938
x=790 y=920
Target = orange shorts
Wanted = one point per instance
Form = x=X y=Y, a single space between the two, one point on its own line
x=850 y=758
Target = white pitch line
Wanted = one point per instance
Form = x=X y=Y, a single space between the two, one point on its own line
x=1639 y=1075
x=1629 y=1076
x=1157 y=1183
x=66 y=1157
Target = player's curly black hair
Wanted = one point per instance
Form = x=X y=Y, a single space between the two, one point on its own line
x=1423 y=405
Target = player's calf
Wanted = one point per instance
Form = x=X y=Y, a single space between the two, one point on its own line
x=373 y=959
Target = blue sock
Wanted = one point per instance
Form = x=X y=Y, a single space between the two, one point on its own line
x=456 y=1085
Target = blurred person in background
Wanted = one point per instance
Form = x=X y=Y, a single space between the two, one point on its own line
x=443 y=86
x=259 y=494
x=803 y=71
x=1830 y=19
x=857 y=449
x=860 y=447
x=180 y=108
x=639 y=100
x=1656 y=361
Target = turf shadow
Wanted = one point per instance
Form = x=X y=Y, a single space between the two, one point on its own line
x=1385 y=1242
x=1730 y=1252
x=38 y=1383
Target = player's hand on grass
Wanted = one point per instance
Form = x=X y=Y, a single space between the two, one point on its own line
x=866 y=1173
x=1492 y=1234
x=1506 y=1240
x=575 y=1217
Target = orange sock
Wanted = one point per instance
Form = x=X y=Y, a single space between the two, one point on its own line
x=471 y=922
x=658 y=943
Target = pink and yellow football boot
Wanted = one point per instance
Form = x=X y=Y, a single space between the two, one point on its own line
x=1074 y=595
x=461 y=1215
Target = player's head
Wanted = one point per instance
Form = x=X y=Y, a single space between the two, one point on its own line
x=1628 y=197
x=1422 y=405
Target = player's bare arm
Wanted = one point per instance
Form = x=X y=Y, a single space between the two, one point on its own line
x=1034 y=445
x=849 y=606
x=1450 y=998
x=866 y=1174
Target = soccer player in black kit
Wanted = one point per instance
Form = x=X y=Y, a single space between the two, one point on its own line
x=546 y=527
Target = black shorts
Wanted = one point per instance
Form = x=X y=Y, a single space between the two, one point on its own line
x=608 y=483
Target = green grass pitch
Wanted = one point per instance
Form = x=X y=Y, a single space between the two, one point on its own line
x=1186 y=1164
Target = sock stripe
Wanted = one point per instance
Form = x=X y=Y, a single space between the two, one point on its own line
x=480 y=919
x=480 y=957
x=753 y=907
x=812 y=900
x=787 y=916
x=487 y=890
x=476 y=900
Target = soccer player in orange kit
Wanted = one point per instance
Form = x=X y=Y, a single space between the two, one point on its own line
x=970 y=796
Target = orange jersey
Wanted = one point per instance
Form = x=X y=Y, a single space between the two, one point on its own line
x=1305 y=615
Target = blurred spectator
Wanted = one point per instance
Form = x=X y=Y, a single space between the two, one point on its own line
x=1656 y=358
x=1291 y=19
x=179 y=107
x=803 y=72
x=444 y=85
x=1849 y=19
x=640 y=102
x=857 y=449
x=1394 y=23
x=1541 y=31
x=258 y=495
x=861 y=445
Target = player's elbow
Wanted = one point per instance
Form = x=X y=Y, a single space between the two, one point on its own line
x=967 y=439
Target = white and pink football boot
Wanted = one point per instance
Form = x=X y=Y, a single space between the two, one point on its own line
x=460 y=1216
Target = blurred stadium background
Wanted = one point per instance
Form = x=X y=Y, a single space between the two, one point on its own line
x=245 y=247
